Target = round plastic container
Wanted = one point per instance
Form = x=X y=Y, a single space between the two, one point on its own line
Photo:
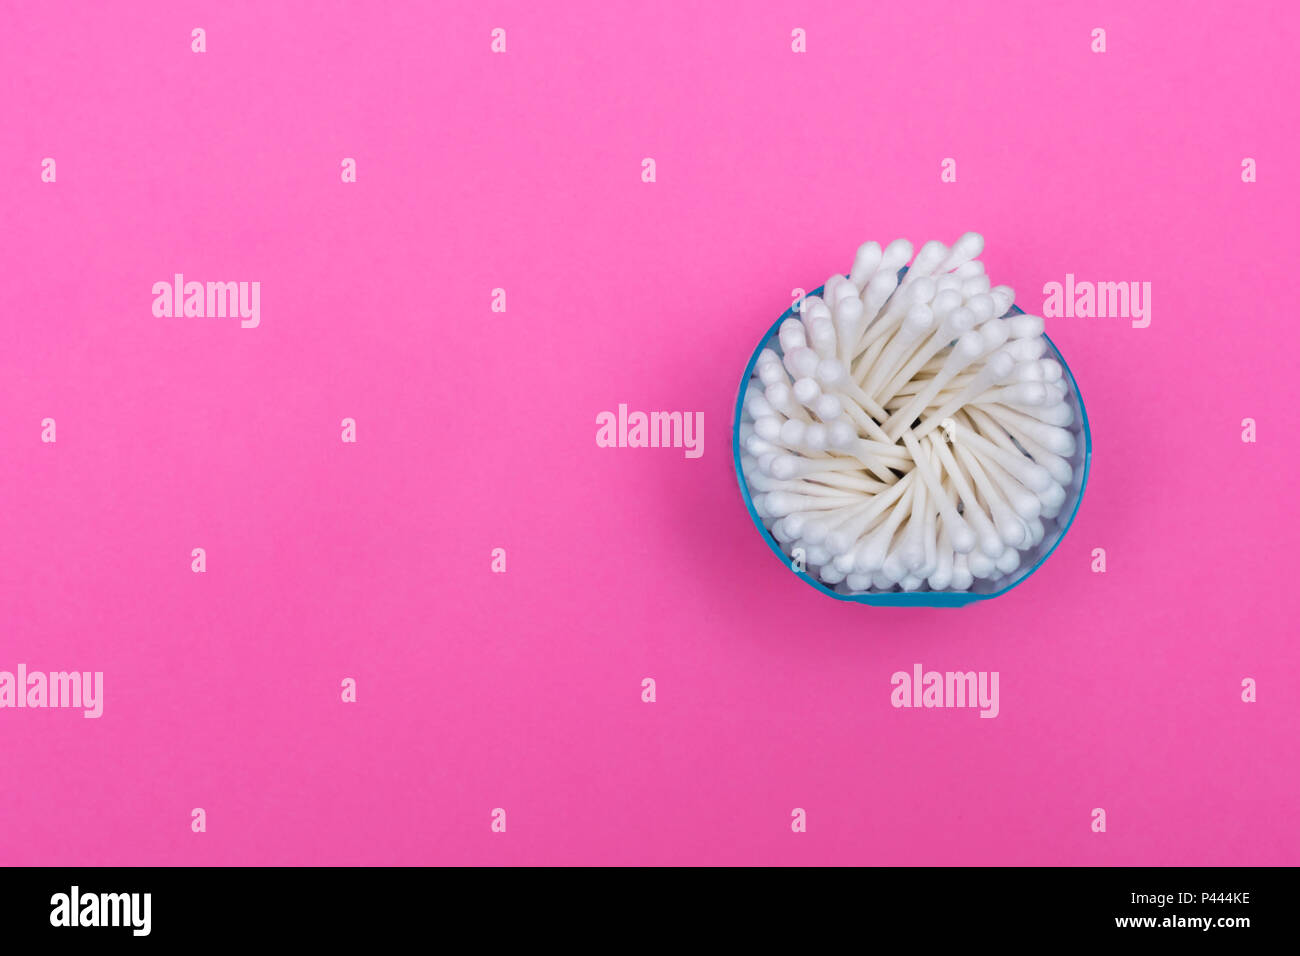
x=982 y=589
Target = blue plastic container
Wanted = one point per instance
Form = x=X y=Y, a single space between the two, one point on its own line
x=982 y=589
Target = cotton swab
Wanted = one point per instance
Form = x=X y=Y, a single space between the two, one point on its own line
x=909 y=434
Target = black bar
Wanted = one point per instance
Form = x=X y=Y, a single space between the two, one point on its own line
x=1161 y=906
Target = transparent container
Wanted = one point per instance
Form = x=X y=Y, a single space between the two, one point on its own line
x=982 y=589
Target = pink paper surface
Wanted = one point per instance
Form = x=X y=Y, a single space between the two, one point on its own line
x=475 y=430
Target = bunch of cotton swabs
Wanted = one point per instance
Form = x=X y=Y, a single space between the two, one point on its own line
x=908 y=434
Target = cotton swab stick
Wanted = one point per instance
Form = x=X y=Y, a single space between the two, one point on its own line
x=995 y=370
x=918 y=323
x=956 y=529
x=954 y=321
x=987 y=536
x=960 y=356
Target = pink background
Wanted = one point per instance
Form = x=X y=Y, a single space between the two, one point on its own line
x=476 y=430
